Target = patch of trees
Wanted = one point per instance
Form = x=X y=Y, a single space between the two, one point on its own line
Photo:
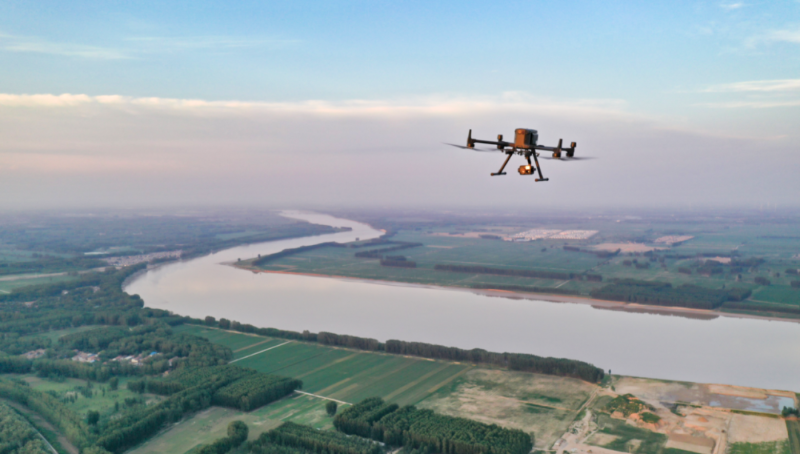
x=593 y=277
x=233 y=386
x=607 y=254
x=525 y=288
x=505 y=272
x=412 y=428
x=664 y=294
x=93 y=340
x=51 y=408
x=627 y=404
x=16 y=434
x=237 y=434
x=14 y=344
x=399 y=263
x=795 y=284
x=197 y=391
x=514 y=361
x=316 y=441
x=684 y=270
x=379 y=253
x=760 y=280
x=792 y=271
x=750 y=262
x=255 y=391
x=292 y=251
x=14 y=365
x=343 y=340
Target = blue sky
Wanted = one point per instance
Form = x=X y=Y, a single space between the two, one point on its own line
x=727 y=69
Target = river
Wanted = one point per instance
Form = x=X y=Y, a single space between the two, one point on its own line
x=738 y=351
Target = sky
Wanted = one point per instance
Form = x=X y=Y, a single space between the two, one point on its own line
x=351 y=103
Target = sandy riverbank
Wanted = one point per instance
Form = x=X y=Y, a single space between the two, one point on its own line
x=698 y=314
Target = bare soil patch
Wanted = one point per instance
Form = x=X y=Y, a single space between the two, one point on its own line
x=625 y=247
x=756 y=429
x=544 y=405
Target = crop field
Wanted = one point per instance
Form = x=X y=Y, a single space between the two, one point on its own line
x=344 y=375
x=6 y=286
x=542 y=404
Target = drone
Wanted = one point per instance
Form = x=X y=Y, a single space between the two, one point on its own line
x=524 y=145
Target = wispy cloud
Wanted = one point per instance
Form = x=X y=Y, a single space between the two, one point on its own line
x=774 y=36
x=166 y=43
x=11 y=43
x=136 y=47
x=434 y=105
x=731 y=6
x=763 y=86
x=751 y=104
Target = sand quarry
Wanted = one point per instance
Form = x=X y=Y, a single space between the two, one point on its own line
x=707 y=425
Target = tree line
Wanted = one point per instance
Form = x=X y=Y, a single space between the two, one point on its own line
x=664 y=294
x=504 y=272
x=413 y=428
x=292 y=251
x=237 y=434
x=525 y=288
x=514 y=361
x=16 y=434
x=317 y=441
x=379 y=253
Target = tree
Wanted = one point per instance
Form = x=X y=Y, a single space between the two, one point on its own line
x=237 y=432
x=210 y=321
x=224 y=323
x=92 y=417
x=330 y=407
x=113 y=383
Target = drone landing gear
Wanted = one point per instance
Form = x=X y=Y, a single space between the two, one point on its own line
x=500 y=172
x=538 y=167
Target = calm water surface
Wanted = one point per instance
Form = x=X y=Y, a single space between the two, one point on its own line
x=747 y=352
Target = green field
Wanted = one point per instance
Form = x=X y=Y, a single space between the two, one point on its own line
x=748 y=241
x=102 y=399
x=341 y=374
x=544 y=405
x=6 y=286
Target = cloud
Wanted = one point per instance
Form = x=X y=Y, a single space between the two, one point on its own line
x=731 y=6
x=751 y=104
x=432 y=106
x=136 y=47
x=777 y=85
x=175 y=44
x=112 y=150
x=774 y=36
x=22 y=44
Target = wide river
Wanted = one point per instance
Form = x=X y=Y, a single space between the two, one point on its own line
x=739 y=351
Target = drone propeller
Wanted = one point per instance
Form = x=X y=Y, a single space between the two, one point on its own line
x=469 y=148
x=568 y=159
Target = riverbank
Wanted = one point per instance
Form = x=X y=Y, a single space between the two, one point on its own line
x=697 y=314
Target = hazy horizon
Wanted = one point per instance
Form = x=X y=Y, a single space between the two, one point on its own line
x=150 y=105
